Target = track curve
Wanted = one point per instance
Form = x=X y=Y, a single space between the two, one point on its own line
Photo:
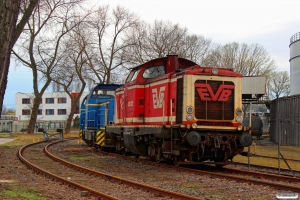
x=152 y=190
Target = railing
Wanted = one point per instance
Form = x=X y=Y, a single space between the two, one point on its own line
x=7 y=117
x=295 y=37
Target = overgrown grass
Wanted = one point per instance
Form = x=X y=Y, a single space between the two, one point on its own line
x=78 y=157
x=289 y=152
x=5 y=135
x=21 y=193
x=21 y=139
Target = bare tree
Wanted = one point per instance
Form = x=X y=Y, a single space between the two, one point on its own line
x=249 y=60
x=39 y=47
x=7 y=111
x=9 y=34
x=72 y=74
x=279 y=84
x=107 y=51
x=164 y=38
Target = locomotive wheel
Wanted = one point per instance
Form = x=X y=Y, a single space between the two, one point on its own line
x=157 y=158
x=158 y=155
x=220 y=159
x=176 y=160
x=124 y=152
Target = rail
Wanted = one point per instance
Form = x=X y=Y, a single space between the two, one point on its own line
x=252 y=180
x=94 y=192
x=61 y=179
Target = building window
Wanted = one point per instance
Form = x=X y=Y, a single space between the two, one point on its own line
x=49 y=100
x=61 y=111
x=25 y=100
x=49 y=111
x=62 y=100
x=25 y=112
x=40 y=112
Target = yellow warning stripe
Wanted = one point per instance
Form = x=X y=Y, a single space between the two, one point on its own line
x=100 y=136
x=80 y=134
x=100 y=104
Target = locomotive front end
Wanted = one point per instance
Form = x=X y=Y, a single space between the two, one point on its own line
x=212 y=113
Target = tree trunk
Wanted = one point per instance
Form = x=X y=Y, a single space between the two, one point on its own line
x=71 y=115
x=69 y=121
x=9 y=10
x=34 y=112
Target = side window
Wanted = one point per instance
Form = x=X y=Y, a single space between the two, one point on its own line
x=133 y=74
x=155 y=71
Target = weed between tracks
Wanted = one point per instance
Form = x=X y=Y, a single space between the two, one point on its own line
x=12 y=189
x=21 y=193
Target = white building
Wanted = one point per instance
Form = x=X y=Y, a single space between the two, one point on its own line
x=54 y=106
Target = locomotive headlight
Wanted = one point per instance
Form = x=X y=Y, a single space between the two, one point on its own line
x=215 y=71
x=240 y=127
x=194 y=125
x=239 y=118
x=189 y=117
x=189 y=109
x=239 y=111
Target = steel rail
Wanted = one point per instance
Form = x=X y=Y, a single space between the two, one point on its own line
x=63 y=180
x=155 y=190
x=225 y=176
x=273 y=157
x=265 y=167
x=263 y=175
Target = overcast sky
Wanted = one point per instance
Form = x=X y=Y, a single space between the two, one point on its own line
x=270 y=23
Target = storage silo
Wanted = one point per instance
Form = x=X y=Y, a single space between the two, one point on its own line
x=295 y=64
x=284 y=112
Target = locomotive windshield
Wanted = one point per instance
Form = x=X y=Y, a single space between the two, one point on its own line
x=154 y=71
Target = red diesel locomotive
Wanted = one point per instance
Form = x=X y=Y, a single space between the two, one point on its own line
x=172 y=108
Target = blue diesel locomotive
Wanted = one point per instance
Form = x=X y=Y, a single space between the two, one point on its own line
x=97 y=111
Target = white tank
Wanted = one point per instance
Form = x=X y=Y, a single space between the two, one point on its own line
x=295 y=64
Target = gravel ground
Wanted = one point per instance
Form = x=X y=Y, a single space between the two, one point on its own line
x=187 y=183
x=19 y=182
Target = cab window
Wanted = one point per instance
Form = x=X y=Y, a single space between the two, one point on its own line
x=132 y=75
x=154 y=71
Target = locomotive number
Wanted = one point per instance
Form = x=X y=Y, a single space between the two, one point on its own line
x=158 y=98
x=122 y=102
x=130 y=104
x=206 y=94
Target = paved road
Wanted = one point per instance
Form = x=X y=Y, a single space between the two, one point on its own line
x=4 y=140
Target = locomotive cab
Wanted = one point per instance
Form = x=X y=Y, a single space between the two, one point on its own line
x=97 y=110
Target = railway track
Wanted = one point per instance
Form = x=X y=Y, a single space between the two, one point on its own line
x=280 y=182
x=88 y=180
x=275 y=158
x=268 y=169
